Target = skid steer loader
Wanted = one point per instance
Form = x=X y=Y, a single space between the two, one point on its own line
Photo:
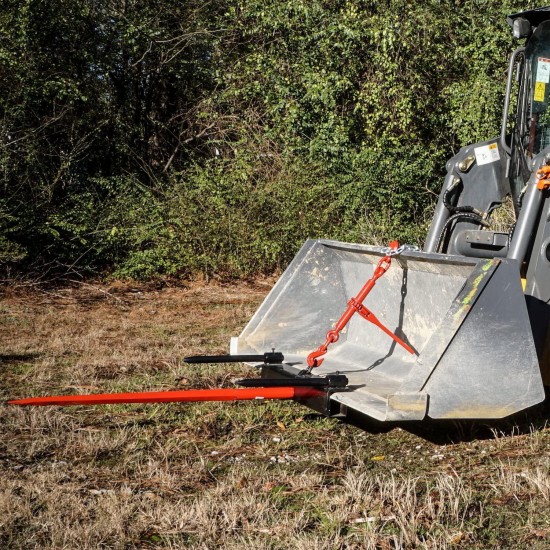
x=459 y=330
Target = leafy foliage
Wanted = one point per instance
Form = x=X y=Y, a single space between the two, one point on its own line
x=167 y=138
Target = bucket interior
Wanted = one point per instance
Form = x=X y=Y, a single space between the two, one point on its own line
x=410 y=299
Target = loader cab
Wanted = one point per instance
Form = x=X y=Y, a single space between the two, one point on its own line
x=531 y=132
x=537 y=76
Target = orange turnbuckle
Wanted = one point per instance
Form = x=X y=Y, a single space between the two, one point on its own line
x=355 y=305
x=226 y=394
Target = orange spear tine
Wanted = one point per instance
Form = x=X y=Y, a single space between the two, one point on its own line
x=225 y=394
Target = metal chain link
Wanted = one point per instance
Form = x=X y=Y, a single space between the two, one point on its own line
x=396 y=251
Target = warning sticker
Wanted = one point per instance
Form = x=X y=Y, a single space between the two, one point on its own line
x=540 y=91
x=486 y=154
x=543 y=70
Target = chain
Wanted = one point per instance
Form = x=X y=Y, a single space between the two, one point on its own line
x=355 y=305
x=387 y=251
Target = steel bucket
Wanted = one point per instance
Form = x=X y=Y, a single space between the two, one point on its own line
x=466 y=318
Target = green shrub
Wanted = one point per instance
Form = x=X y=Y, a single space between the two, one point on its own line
x=177 y=138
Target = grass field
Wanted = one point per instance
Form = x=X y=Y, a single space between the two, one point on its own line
x=238 y=475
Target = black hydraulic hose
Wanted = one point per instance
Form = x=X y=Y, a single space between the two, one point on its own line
x=453 y=209
x=466 y=216
x=446 y=200
x=466 y=213
x=511 y=234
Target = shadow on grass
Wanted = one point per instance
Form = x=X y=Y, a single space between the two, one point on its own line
x=525 y=422
x=18 y=357
x=445 y=432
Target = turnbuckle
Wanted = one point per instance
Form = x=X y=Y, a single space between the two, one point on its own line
x=355 y=305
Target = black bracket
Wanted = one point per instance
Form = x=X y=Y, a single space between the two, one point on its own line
x=331 y=381
x=268 y=358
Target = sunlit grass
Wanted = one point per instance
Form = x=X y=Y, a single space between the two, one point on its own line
x=232 y=475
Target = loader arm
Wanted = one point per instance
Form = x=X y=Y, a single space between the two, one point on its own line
x=483 y=182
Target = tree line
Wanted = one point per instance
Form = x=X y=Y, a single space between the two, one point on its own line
x=151 y=138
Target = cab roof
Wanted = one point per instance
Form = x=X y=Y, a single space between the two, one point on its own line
x=535 y=17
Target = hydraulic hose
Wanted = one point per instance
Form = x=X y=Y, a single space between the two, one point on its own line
x=466 y=216
x=454 y=209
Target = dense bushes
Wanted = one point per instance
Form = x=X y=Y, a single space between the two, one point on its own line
x=150 y=138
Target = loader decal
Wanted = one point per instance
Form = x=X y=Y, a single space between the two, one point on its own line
x=475 y=284
x=487 y=154
x=543 y=70
x=540 y=91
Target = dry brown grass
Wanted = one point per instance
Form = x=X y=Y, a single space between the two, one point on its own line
x=504 y=217
x=243 y=475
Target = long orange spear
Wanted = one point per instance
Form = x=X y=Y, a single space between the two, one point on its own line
x=226 y=394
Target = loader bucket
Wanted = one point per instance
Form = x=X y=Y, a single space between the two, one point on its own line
x=466 y=319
